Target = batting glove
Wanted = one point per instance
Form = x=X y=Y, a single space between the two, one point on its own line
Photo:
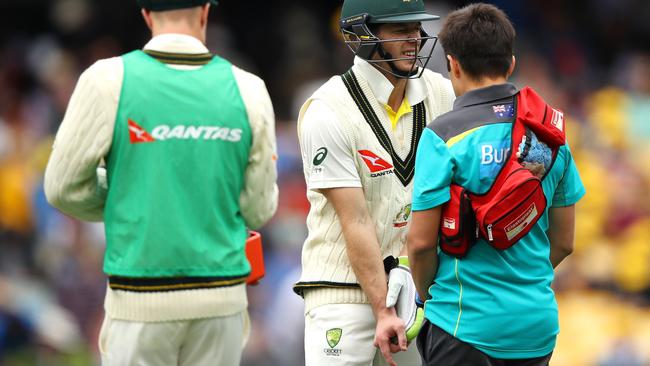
x=402 y=295
x=102 y=180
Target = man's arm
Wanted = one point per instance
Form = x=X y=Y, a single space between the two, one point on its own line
x=83 y=139
x=560 y=232
x=561 y=214
x=422 y=246
x=259 y=196
x=365 y=257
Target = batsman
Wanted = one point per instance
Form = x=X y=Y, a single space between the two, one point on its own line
x=358 y=135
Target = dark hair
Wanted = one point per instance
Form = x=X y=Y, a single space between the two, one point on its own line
x=481 y=37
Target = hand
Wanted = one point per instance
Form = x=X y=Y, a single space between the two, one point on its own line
x=390 y=326
x=402 y=295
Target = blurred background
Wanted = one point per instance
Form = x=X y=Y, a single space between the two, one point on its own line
x=590 y=58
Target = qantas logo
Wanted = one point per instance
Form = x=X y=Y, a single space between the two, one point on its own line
x=138 y=134
x=374 y=162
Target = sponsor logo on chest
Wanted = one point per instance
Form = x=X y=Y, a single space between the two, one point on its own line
x=377 y=166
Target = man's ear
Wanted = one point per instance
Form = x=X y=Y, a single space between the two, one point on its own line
x=454 y=67
x=512 y=66
x=146 y=15
x=205 y=10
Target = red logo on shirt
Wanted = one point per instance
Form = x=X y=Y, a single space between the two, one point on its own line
x=138 y=134
x=374 y=162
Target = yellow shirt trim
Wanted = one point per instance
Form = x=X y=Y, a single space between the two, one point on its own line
x=460 y=299
x=403 y=109
x=452 y=141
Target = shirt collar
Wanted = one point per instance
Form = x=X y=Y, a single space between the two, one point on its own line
x=485 y=95
x=381 y=87
x=174 y=42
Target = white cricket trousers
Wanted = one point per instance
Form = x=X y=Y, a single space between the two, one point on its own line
x=354 y=347
x=198 y=342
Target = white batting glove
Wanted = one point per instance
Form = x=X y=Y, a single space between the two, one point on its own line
x=102 y=180
x=402 y=294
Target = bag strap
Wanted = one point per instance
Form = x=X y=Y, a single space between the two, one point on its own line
x=533 y=114
x=404 y=169
x=518 y=132
x=546 y=122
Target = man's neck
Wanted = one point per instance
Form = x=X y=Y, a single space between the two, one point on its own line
x=397 y=95
x=471 y=84
x=179 y=30
x=399 y=88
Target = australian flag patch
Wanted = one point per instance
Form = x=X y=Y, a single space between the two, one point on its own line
x=504 y=110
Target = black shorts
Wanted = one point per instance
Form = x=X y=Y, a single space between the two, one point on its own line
x=437 y=348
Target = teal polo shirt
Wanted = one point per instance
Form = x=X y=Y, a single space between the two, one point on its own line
x=500 y=302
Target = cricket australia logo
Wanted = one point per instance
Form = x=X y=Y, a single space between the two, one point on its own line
x=402 y=218
x=333 y=337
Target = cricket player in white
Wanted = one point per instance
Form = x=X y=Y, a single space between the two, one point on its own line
x=358 y=136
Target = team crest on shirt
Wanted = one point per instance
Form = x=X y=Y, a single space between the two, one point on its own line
x=333 y=337
x=375 y=164
x=402 y=218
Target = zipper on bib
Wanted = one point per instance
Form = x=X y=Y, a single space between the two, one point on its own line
x=489 y=230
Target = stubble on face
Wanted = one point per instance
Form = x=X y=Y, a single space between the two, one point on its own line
x=405 y=51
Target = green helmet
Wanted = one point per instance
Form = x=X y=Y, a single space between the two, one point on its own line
x=356 y=15
x=387 y=11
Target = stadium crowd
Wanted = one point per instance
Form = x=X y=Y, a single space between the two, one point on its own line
x=589 y=58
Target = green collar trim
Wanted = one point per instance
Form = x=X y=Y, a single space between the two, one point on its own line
x=193 y=59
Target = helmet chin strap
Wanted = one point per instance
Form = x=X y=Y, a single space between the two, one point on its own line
x=399 y=73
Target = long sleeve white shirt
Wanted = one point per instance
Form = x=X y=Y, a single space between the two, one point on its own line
x=72 y=183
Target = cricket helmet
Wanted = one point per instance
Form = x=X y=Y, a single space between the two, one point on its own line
x=358 y=16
